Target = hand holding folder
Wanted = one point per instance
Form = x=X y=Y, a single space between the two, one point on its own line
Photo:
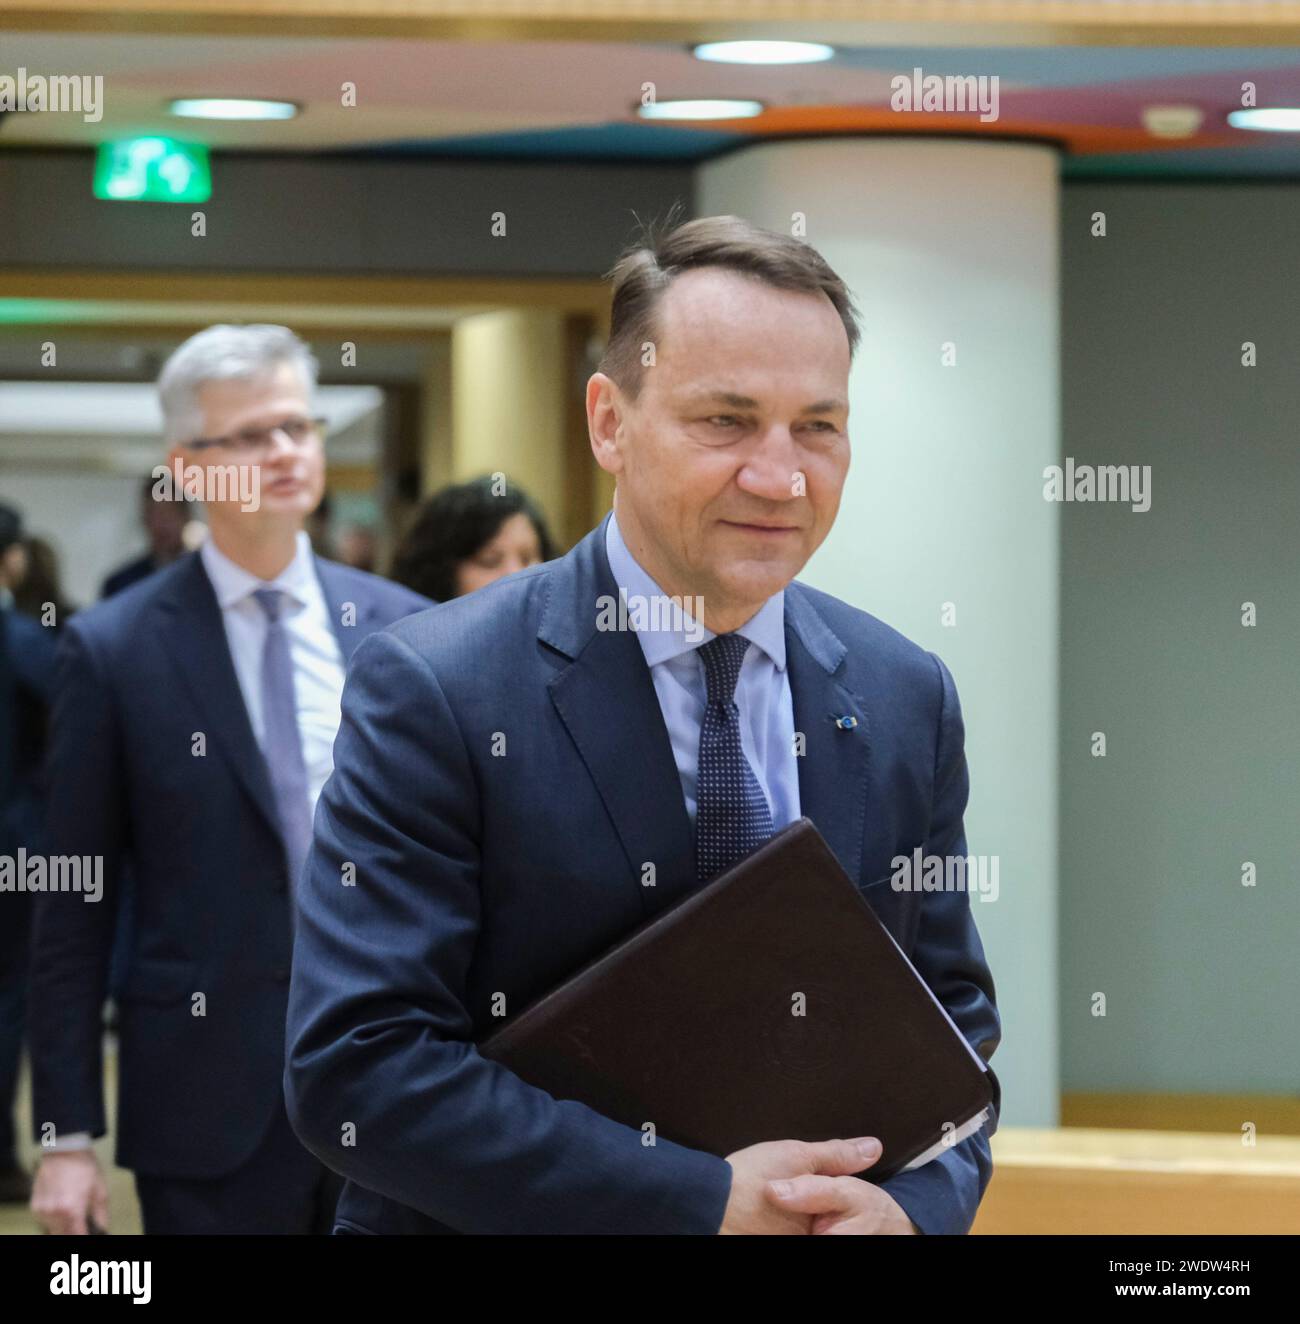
x=771 y=1004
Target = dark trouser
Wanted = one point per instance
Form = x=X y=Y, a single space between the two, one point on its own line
x=14 y=928
x=282 y=1188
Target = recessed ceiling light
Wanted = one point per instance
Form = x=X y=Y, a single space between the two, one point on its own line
x=1172 y=121
x=1271 y=119
x=700 y=109
x=232 y=108
x=764 y=52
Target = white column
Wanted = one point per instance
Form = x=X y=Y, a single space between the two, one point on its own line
x=950 y=249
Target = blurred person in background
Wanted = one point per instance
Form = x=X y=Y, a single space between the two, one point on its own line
x=193 y=727
x=469 y=534
x=320 y=529
x=164 y=524
x=358 y=547
x=42 y=589
x=26 y=689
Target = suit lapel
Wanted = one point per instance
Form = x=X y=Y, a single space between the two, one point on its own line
x=349 y=619
x=196 y=638
x=833 y=768
x=607 y=702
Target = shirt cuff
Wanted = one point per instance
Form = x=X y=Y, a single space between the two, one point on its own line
x=74 y=1140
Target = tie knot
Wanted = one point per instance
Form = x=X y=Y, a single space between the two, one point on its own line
x=722 y=657
x=271 y=601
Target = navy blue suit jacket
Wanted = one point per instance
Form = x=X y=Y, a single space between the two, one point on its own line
x=138 y=676
x=26 y=688
x=27 y=651
x=484 y=868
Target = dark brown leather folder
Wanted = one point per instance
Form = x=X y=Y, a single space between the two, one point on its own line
x=771 y=1004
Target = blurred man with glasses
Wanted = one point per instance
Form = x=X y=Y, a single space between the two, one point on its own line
x=192 y=732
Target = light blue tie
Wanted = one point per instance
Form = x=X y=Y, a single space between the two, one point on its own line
x=731 y=812
x=281 y=741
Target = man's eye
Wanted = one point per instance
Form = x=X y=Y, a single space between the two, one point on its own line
x=724 y=420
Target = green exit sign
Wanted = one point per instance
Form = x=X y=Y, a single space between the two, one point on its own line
x=152 y=170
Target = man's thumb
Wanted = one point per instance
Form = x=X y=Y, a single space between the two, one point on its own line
x=843 y=1158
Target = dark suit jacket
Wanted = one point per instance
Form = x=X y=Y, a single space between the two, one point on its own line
x=26 y=688
x=480 y=873
x=126 y=575
x=138 y=677
x=27 y=651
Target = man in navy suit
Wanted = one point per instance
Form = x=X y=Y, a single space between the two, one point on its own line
x=192 y=730
x=26 y=689
x=508 y=766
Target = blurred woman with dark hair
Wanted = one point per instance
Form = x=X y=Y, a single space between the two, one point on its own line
x=467 y=535
x=43 y=584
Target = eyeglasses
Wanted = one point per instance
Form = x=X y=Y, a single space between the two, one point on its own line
x=249 y=441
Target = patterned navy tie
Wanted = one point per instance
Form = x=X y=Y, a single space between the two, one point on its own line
x=731 y=814
x=281 y=741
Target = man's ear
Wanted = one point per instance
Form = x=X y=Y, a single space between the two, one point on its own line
x=606 y=408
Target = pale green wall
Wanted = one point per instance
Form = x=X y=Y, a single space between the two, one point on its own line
x=1202 y=716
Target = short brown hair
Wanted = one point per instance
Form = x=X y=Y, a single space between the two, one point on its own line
x=646 y=269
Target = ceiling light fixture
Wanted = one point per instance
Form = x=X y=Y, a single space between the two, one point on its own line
x=1172 y=121
x=763 y=52
x=714 y=108
x=232 y=108
x=1269 y=119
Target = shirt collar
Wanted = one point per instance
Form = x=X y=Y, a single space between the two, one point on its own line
x=663 y=641
x=232 y=583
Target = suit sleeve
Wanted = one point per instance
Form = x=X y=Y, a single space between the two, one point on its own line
x=382 y=1080
x=72 y=937
x=33 y=658
x=943 y=1195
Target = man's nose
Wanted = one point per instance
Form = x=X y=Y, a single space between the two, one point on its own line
x=279 y=443
x=771 y=468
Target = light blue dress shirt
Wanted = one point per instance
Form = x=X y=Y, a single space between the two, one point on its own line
x=762 y=691
x=318 y=666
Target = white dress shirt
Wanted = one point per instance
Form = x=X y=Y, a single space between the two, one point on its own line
x=762 y=690
x=318 y=668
